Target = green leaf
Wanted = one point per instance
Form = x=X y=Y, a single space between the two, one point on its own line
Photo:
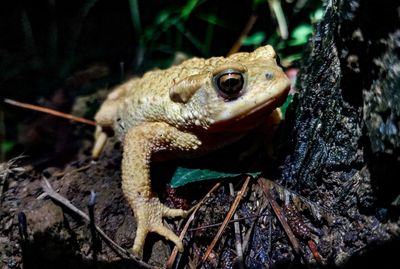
x=317 y=15
x=286 y=104
x=301 y=34
x=183 y=176
x=191 y=37
x=162 y=17
x=188 y=8
x=213 y=19
x=255 y=39
x=292 y=58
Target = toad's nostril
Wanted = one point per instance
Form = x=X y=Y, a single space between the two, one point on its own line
x=269 y=75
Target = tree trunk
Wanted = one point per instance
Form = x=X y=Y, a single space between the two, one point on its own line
x=343 y=127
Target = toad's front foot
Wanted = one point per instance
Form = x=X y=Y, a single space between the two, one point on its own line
x=149 y=213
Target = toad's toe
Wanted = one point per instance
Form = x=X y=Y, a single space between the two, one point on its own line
x=149 y=213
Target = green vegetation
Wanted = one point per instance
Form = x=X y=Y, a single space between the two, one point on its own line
x=183 y=176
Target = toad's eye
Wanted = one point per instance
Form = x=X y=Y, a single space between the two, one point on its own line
x=229 y=83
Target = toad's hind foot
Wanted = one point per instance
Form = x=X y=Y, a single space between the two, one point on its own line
x=149 y=213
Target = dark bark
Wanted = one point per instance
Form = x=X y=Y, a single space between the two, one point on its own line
x=344 y=134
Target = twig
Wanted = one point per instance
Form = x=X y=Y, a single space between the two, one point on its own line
x=238 y=240
x=314 y=251
x=276 y=7
x=246 y=30
x=246 y=237
x=22 y=227
x=219 y=223
x=172 y=257
x=227 y=218
x=49 y=191
x=80 y=169
x=49 y=111
x=278 y=212
x=95 y=242
x=316 y=210
x=269 y=250
x=248 y=234
x=23 y=235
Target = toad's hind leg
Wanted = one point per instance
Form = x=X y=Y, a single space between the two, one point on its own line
x=106 y=115
x=139 y=144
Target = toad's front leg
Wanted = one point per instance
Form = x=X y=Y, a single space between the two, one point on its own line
x=140 y=143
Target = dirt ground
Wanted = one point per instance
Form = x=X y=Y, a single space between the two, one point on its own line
x=53 y=236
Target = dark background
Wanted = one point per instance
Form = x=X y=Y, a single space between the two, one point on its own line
x=43 y=44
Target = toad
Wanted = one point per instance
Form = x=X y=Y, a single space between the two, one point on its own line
x=188 y=109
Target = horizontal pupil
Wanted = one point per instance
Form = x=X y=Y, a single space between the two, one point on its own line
x=230 y=83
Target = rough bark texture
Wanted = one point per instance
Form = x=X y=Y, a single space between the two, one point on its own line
x=344 y=153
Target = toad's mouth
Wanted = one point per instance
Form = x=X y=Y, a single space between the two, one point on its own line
x=250 y=118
